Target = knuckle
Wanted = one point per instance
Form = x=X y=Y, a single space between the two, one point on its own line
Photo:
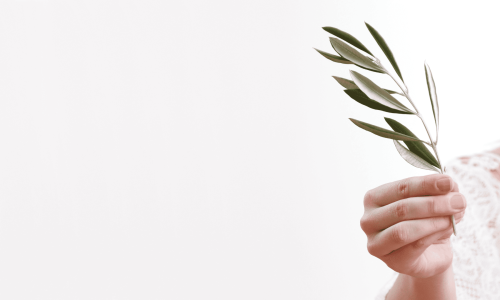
x=372 y=248
x=399 y=235
x=418 y=244
x=440 y=223
x=368 y=199
x=425 y=185
x=431 y=205
x=401 y=209
x=403 y=188
x=365 y=223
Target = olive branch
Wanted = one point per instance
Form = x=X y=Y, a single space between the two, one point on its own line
x=367 y=93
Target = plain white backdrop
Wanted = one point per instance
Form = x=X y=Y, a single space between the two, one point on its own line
x=202 y=150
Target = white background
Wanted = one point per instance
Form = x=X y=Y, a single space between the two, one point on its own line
x=201 y=149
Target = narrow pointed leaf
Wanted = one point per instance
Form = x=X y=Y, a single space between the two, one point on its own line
x=334 y=58
x=383 y=132
x=349 y=84
x=385 y=48
x=346 y=83
x=413 y=159
x=431 y=86
x=377 y=71
x=361 y=98
x=350 y=53
x=376 y=93
x=417 y=148
x=394 y=92
x=347 y=37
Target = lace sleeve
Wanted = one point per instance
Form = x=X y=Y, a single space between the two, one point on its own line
x=476 y=249
x=476 y=258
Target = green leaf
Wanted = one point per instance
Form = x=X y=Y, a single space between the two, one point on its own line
x=349 y=84
x=416 y=147
x=334 y=58
x=431 y=86
x=413 y=159
x=361 y=98
x=376 y=93
x=383 y=132
x=354 y=55
x=347 y=37
x=393 y=92
x=346 y=83
x=377 y=71
x=385 y=48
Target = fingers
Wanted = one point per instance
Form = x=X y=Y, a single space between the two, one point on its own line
x=412 y=208
x=436 y=184
x=404 y=233
x=411 y=258
x=416 y=248
x=375 y=241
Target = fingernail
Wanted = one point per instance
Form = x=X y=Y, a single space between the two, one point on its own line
x=444 y=185
x=457 y=202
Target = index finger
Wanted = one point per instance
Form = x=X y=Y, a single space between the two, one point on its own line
x=435 y=184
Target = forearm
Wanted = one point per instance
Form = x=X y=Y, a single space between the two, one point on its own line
x=441 y=286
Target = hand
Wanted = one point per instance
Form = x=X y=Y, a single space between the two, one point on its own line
x=408 y=223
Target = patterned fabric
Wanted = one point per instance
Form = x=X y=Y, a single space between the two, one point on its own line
x=476 y=249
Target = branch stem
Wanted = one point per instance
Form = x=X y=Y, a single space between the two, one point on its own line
x=432 y=143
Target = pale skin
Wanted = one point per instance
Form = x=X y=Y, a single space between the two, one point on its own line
x=408 y=227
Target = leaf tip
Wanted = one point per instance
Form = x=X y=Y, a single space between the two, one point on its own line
x=389 y=121
x=353 y=73
x=337 y=78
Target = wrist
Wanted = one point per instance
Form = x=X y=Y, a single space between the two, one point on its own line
x=440 y=286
